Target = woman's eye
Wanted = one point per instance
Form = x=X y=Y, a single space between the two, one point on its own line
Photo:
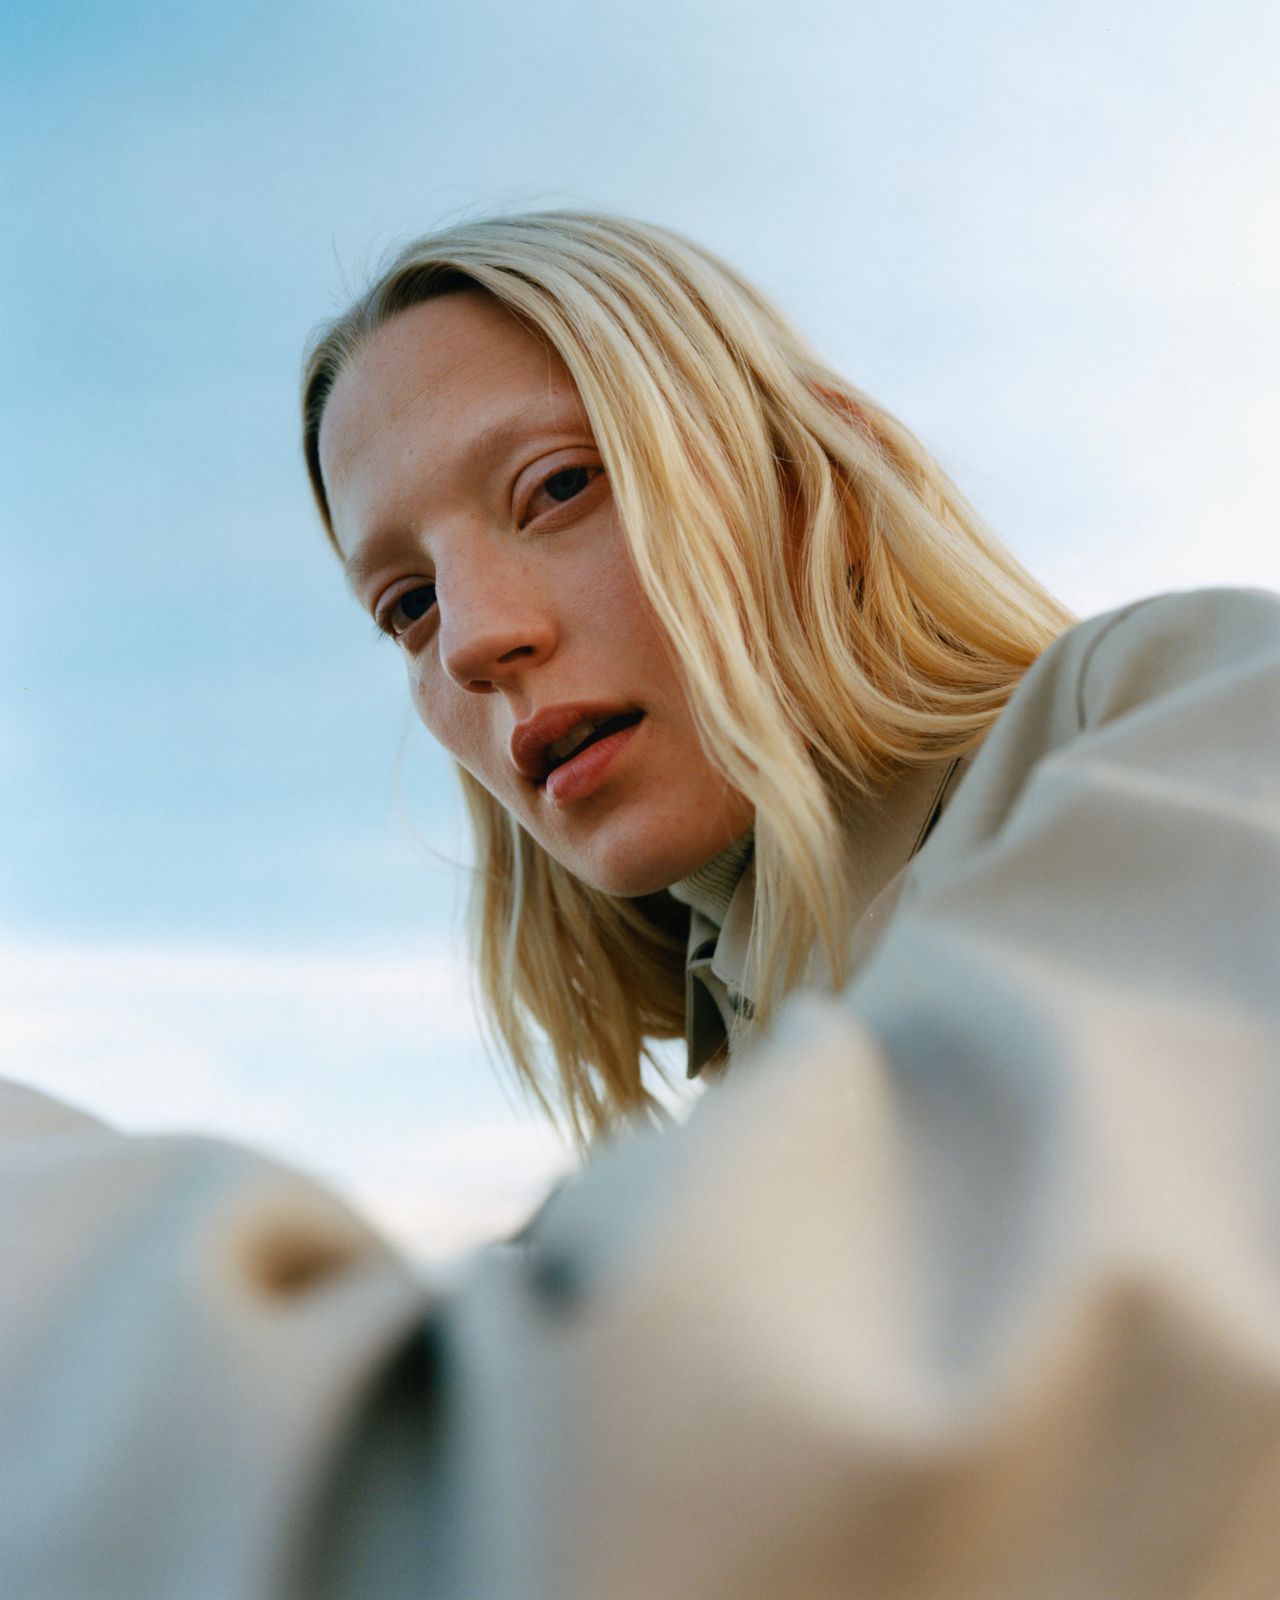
x=571 y=481
x=562 y=486
x=406 y=609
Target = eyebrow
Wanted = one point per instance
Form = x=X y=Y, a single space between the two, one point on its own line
x=492 y=440
x=360 y=565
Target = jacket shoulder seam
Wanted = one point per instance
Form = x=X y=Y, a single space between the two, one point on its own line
x=1091 y=649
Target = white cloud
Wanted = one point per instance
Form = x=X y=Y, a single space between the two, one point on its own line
x=455 y=1188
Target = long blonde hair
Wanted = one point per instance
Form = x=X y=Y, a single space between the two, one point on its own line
x=840 y=611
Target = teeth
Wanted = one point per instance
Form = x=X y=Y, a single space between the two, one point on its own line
x=558 y=750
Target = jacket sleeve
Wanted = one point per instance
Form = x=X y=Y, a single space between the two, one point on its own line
x=966 y=1285
x=189 y=1337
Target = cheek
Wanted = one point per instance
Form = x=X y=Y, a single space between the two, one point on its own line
x=614 y=613
x=448 y=714
x=635 y=637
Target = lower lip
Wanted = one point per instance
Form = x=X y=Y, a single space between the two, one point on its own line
x=582 y=776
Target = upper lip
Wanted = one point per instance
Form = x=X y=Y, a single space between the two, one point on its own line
x=530 y=738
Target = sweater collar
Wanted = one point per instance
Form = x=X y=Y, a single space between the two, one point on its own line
x=710 y=888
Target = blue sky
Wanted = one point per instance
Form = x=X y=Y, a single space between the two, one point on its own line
x=1045 y=235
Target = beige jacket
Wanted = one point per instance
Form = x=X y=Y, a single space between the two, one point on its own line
x=966 y=1287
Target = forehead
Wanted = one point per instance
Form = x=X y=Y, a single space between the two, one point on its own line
x=429 y=386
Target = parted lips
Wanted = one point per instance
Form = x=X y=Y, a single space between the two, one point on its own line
x=551 y=736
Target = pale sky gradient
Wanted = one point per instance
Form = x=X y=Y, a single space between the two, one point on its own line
x=1045 y=235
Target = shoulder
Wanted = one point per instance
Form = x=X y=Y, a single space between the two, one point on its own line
x=1183 y=686
x=1169 y=644
x=1149 y=650
x=1155 y=647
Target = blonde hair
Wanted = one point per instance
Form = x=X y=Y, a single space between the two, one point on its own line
x=840 y=611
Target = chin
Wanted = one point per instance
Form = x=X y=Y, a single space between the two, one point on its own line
x=628 y=881
x=633 y=871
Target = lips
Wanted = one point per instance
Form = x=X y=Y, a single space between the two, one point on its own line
x=557 y=733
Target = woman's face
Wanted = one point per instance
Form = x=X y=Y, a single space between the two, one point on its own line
x=478 y=527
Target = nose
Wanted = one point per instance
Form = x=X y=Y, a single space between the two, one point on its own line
x=493 y=627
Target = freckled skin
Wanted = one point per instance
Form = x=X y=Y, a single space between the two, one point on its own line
x=536 y=600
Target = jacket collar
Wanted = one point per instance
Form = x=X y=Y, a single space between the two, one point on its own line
x=890 y=827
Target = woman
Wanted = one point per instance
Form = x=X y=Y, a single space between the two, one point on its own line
x=694 y=544
x=964 y=1283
